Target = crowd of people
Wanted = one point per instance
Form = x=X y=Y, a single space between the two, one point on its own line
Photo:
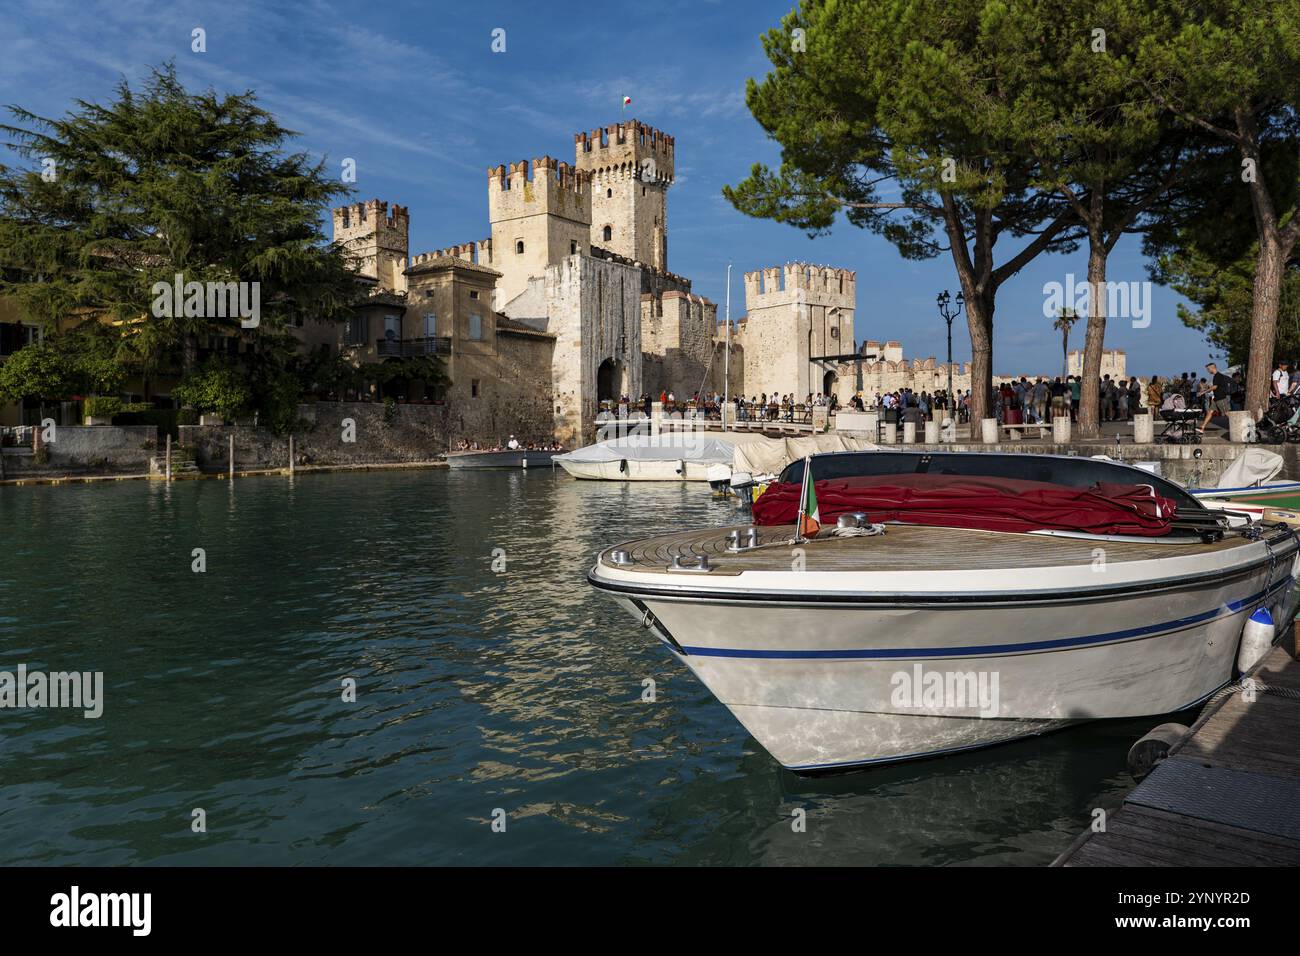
x=513 y=444
x=1015 y=401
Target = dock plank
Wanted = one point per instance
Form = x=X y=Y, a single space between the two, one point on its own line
x=1228 y=794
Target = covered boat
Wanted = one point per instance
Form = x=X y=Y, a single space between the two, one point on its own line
x=694 y=455
x=953 y=601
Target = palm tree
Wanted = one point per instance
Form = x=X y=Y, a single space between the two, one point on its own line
x=1064 y=319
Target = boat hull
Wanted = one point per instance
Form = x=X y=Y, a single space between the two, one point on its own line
x=829 y=685
x=633 y=470
x=501 y=459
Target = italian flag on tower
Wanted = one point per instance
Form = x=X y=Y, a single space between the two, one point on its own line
x=810 y=519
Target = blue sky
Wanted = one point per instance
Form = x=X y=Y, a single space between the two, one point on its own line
x=413 y=93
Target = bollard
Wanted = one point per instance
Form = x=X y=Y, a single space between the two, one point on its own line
x=909 y=433
x=949 y=431
x=1061 y=429
x=891 y=434
x=656 y=417
x=932 y=432
x=232 y=456
x=989 y=431
x=1144 y=429
x=1241 y=427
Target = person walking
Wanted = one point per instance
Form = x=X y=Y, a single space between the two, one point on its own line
x=1220 y=388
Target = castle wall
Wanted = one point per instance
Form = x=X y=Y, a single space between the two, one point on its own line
x=593 y=308
x=677 y=336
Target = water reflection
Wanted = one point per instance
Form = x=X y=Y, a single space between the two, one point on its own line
x=476 y=690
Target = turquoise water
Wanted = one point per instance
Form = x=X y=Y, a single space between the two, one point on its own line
x=477 y=690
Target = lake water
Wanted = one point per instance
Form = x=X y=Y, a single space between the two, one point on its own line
x=476 y=690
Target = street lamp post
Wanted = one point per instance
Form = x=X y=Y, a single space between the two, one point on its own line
x=948 y=315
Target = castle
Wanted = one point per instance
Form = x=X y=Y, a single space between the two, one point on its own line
x=566 y=304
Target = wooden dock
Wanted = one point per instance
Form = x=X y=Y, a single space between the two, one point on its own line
x=1228 y=794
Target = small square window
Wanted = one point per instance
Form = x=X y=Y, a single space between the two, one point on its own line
x=473 y=294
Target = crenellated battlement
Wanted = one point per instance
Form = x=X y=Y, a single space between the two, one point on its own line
x=792 y=277
x=377 y=238
x=479 y=253
x=372 y=213
x=557 y=175
x=629 y=148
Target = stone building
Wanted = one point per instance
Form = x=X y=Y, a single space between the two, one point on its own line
x=567 y=304
x=1114 y=362
x=798 y=316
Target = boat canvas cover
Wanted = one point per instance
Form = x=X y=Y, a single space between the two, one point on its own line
x=769 y=456
x=686 y=446
x=986 y=504
x=1254 y=466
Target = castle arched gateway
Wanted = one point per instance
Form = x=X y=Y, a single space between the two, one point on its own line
x=611 y=381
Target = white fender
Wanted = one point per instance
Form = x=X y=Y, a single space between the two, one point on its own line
x=1256 y=639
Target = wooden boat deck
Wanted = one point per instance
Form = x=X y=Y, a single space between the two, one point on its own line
x=1227 y=795
x=914 y=547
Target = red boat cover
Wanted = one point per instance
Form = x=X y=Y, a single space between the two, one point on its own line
x=987 y=504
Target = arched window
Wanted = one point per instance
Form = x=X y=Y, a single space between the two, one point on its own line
x=609 y=233
x=609 y=193
x=519 y=247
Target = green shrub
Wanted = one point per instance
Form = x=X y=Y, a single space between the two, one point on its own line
x=102 y=406
x=215 y=388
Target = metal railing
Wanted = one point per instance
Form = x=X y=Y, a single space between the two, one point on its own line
x=406 y=348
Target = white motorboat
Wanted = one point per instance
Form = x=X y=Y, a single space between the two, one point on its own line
x=1058 y=590
x=671 y=456
x=696 y=455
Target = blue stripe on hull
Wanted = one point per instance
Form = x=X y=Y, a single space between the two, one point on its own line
x=991 y=650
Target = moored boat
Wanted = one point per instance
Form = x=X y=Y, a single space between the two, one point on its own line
x=1007 y=596
x=507 y=458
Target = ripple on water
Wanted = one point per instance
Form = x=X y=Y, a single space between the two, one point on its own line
x=476 y=690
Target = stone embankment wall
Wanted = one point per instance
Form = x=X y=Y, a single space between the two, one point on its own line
x=86 y=449
x=414 y=433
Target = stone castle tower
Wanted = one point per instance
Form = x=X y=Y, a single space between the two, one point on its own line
x=537 y=220
x=378 y=237
x=631 y=167
x=796 y=312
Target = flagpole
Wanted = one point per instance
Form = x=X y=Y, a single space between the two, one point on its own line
x=726 y=362
x=803 y=497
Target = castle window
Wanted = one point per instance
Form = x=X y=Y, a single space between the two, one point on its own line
x=573 y=247
x=476 y=327
x=519 y=247
x=609 y=193
x=473 y=294
x=609 y=233
x=642 y=190
x=473 y=388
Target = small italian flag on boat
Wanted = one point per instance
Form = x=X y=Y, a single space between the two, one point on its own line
x=810 y=519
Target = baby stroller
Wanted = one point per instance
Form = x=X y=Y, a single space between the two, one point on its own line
x=1273 y=429
x=1180 y=421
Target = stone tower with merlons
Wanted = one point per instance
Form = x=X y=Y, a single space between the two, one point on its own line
x=378 y=238
x=630 y=166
